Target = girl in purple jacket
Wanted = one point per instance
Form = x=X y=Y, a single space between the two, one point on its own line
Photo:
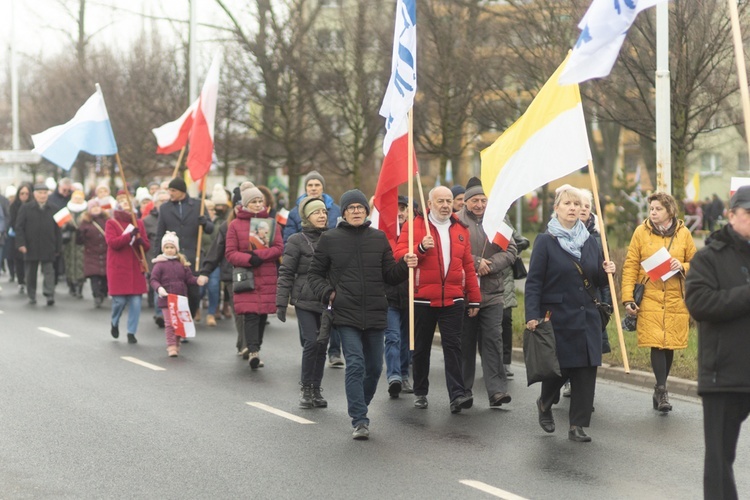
x=171 y=274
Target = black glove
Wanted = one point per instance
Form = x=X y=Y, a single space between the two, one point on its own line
x=255 y=261
x=202 y=220
x=281 y=314
x=138 y=241
x=135 y=232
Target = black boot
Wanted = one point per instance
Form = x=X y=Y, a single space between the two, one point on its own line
x=306 y=396
x=317 y=398
x=661 y=399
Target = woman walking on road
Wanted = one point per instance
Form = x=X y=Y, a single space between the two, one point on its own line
x=244 y=249
x=72 y=251
x=564 y=258
x=91 y=236
x=298 y=253
x=663 y=319
x=15 y=258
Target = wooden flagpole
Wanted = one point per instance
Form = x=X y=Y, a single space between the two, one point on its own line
x=410 y=167
x=200 y=228
x=421 y=199
x=739 y=55
x=605 y=248
x=144 y=262
x=179 y=161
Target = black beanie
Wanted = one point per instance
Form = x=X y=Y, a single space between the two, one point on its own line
x=236 y=197
x=354 y=196
x=178 y=184
x=473 y=188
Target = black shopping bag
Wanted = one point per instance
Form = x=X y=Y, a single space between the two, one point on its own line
x=540 y=353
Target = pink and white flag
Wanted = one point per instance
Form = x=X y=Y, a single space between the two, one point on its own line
x=658 y=266
x=63 y=216
x=179 y=316
x=173 y=136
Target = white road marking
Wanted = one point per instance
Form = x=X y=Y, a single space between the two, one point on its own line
x=143 y=364
x=53 y=332
x=280 y=413
x=506 y=495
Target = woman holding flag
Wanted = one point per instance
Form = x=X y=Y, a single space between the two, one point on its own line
x=659 y=256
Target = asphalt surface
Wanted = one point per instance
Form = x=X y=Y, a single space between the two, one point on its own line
x=79 y=421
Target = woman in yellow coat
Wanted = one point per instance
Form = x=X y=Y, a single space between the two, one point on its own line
x=663 y=319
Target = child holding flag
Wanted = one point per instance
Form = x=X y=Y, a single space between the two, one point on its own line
x=171 y=274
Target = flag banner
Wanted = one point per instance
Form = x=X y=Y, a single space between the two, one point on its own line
x=548 y=142
x=63 y=216
x=693 y=189
x=173 y=136
x=603 y=29
x=282 y=216
x=90 y=131
x=658 y=266
x=398 y=100
x=179 y=316
x=201 y=152
x=737 y=182
x=504 y=236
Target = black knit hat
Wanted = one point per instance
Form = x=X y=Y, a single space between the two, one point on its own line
x=236 y=196
x=354 y=196
x=178 y=184
x=473 y=188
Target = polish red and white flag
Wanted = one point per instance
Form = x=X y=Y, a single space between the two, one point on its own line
x=503 y=236
x=179 y=316
x=173 y=136
x=282 y=216
x=658 y=266
x=201 y=153
x=63 y=216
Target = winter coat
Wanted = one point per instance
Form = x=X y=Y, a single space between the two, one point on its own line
x=492 y=285
x=173 y=275
x=58 y=201
x=431 y=283
x=292 y=287
x=215 y=256
x=150 y=222
x=717 y=296
x=37 y=230
x=555 y=285
x=509 y=283
x=356 y=262
x=94 y=244
x=261 y=300
x=663 y=319
x=124 y=274
x=72 y=251
x=185 y=226
x=294 y=221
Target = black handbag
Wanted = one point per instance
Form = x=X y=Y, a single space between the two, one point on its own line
x=519 y=269
x=630 y=323
x=605 y=310
x=243 y=280
x=540 y=353
x=326 y=324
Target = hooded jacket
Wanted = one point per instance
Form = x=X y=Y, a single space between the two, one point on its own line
x=294 y=221
x=298 y=254
x=173 y=275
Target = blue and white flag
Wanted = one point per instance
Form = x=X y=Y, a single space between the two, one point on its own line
x=399 y=97
x=90 y=130
x=603 y=29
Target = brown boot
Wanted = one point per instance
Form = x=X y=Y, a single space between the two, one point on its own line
x=226 y=311
x=197 y=317
x=661 y=399
x=210 y=320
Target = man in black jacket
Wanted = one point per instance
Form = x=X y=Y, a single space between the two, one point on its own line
x=39 y=239
x=718 y=297
x=182 y=215
x=351 y=265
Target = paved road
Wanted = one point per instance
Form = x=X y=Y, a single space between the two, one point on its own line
x=80 y=421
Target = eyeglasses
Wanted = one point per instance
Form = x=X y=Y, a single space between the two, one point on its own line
x=355 y=208
x=320 y=211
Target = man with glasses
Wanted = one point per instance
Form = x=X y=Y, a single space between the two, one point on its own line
x=486 y=328
x=351 y=265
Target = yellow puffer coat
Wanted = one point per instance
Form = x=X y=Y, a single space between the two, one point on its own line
x=663 y=319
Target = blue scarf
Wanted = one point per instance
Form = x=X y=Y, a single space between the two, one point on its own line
x=571 y=240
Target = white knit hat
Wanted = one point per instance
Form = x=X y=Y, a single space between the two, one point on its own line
x=219 y=195
x=170 y=237
x=11 y=191
x=142 y=194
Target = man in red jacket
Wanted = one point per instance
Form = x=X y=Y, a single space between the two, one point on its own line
x=444 y=276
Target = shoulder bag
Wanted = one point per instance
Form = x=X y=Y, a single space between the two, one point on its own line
x=243 y=279
x=540 y=353
x=605 y=310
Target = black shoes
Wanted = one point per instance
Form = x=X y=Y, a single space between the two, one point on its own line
x=305 y=397
x=115 y=331
x=421 y=402
x=546 y=420
x=50 y=302
x=98 y=302
x=576 y=434
x=462 y=403
x=159 y=320
x=499 y=399
x=132 y=339
x=317 y=398
x=394 y=388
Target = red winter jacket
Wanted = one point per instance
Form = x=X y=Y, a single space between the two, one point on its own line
x=431 y=283
x=261 y=300
x=124 y=275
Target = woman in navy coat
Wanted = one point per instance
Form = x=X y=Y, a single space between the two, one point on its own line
x=555 y=286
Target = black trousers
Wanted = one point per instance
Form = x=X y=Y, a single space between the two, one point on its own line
x=723 y=414
x=582 y=386
x=313 y=353
x=194 y=298
x=507 y=335
x=254 y=326
x=450 y=319
x=99 y=286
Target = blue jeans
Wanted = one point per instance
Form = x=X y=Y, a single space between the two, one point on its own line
x=363 y=353
x=393 y=370
x=134 y=310
x=334 y=344
x=213 y=287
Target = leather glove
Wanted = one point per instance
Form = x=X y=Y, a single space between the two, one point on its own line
x=202 y=220
x=255 y=261
x=162 y=292
x=139 y=241
x=281 y=314
x=135 y=232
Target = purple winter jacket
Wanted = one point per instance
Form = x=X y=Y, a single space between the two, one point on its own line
x=173 y=276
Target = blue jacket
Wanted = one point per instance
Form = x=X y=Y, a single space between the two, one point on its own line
x=555 y=285
x=294 y=221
